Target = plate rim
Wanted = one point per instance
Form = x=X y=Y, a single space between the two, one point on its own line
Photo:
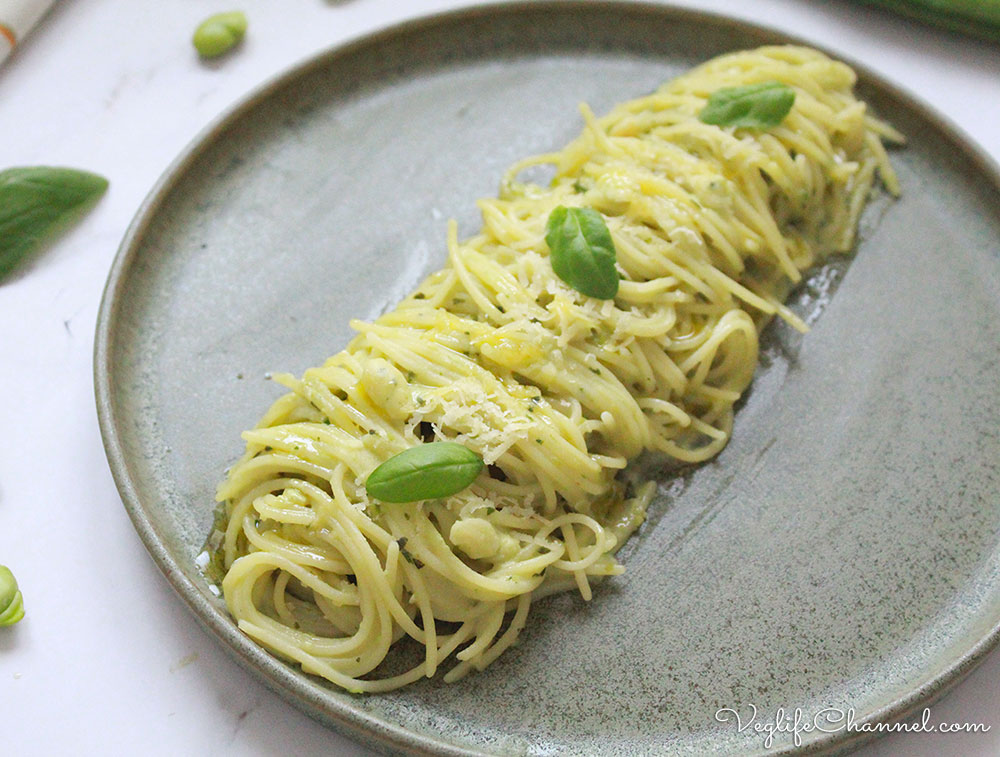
x=379 y=732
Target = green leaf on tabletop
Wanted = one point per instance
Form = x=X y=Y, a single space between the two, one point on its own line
x=756 y=106
x=219 y=34
x=38 y=201
x=582 y=251
x=427 y=471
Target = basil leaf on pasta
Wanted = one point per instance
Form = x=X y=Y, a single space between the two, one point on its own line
x=35 y=202
x=755 y=106
x=427 y=471
x=582 y=251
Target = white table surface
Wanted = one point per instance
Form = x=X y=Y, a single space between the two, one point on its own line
x=108 y=660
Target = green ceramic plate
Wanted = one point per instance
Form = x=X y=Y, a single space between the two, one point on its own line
x=842 y=552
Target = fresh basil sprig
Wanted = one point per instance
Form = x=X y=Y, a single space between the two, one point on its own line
x=582 y=251
x=35 y=202
x=755 y=106
x=427 y=471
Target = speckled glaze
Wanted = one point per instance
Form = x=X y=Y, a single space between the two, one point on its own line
x=841 y=552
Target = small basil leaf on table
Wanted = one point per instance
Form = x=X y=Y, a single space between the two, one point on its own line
x=427 y=471
x=35 y=202
x=219 y=34
x=582 y=251
x=756 y=106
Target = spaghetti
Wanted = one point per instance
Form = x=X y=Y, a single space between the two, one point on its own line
x=556 y=391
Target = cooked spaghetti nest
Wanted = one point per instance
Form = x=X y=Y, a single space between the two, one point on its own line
x=555 y=390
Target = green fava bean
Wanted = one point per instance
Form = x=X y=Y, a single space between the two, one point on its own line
x=427 y=471
x=11 y=601
x=220 y=33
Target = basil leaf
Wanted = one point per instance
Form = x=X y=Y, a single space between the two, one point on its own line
x=35 y=202
x=582 y=251
x=427 y=471
x=756 y=106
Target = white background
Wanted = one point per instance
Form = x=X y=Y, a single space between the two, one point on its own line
x=108 y=660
